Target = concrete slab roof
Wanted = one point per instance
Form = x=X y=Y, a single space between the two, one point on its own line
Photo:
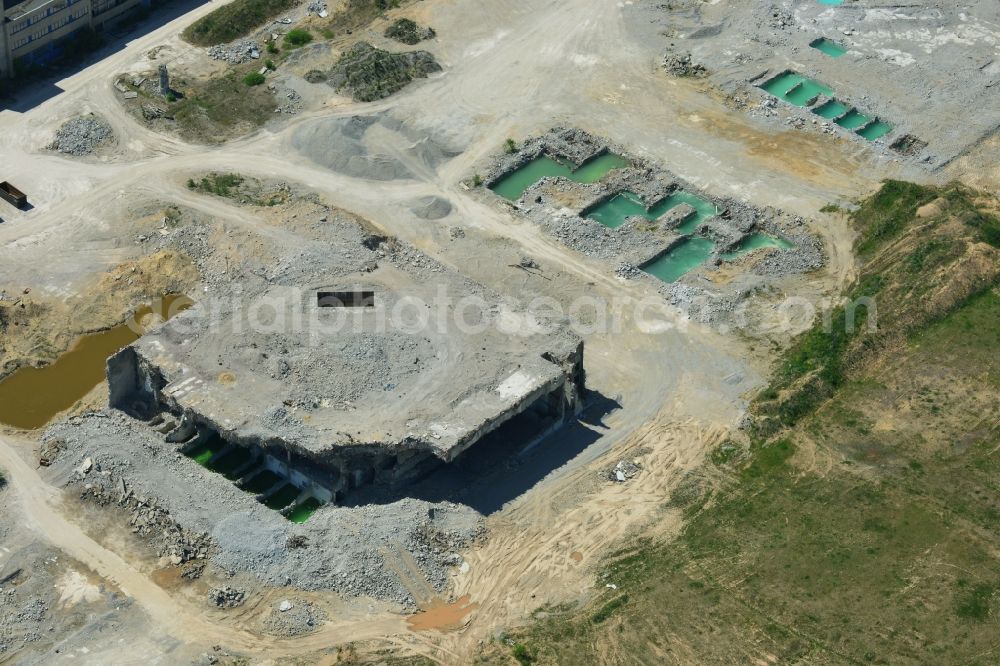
x=283 y=368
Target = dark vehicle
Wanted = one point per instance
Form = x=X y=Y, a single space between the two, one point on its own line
x=12 y=195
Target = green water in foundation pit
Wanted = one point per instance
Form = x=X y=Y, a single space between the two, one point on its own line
x=755 y=241
x=202 y=453
x=687 y=255
x=831 y=110
x=262 y=482
x=228 y=464
x=513 y=185
x=283 y=497
x=853 y=120
x=613 y=212
x=304 y=511
x=829 y=47
x=876 y=130
x=31 y=396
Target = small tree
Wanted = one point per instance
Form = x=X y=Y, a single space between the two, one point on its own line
x=253 y=79
x=477 y=180
x=510 y=146
x=298 y=37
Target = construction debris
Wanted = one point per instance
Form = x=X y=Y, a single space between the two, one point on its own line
x=83 y=135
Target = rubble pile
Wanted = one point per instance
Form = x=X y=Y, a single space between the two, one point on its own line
x=226 y=597
x=82 y=135
x=236 y=53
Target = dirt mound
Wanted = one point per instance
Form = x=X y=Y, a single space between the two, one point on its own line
x=377 y=147
x=431 y=208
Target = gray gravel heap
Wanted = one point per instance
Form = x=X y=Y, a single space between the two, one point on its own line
x=82 y=135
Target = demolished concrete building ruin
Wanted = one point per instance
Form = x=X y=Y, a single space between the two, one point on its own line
x=311 y=415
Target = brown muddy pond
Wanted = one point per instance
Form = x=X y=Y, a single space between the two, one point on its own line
x=31 y=397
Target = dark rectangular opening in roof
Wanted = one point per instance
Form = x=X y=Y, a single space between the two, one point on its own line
x=345 y=299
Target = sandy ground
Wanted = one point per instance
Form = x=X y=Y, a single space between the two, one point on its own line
x=511 y=69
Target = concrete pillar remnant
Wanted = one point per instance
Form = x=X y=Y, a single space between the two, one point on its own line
x=164 y=81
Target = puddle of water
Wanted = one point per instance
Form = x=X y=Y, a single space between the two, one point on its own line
x=831 y=110
x=613 y=212
x=685 y=256
x=285 y=496
x=875 y=130
x=513 y=185
x=829 y=47
x=304 y=511
x=830 y=2
x=31 y=397
x=755 y=241
x=442 y=616
x=795 y=88
x=853 y=120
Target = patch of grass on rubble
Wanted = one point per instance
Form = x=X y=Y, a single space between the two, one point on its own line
x=217 y=109
x=234 y=20
x=867 y=531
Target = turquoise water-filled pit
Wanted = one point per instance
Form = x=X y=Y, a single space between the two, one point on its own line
x=683 y=257
x=513 y=185
x=613 y=212
x=829 y=47
x=875 y=130
x=755 y=241
x=795 y=88
x=831 y=110
x=853 y=120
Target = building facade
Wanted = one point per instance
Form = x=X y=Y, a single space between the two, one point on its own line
x=36 y=32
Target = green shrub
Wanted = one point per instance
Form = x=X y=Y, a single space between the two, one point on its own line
x=298 y=37
x=253 y=79
x=608 y=609
x=272 y=48
x=522 y=654
x=269 y=64
x=510 y=146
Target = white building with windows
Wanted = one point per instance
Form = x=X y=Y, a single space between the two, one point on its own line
x=35 y=32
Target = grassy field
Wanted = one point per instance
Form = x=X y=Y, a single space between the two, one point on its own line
x=860 y=527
